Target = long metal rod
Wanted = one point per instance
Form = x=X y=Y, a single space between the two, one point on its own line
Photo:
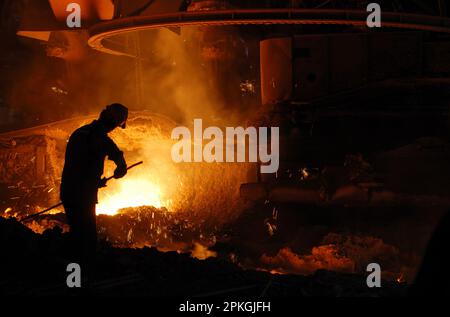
x=60 y=203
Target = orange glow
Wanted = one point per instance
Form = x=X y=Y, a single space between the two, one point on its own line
x=130 y=192
x=400 y=278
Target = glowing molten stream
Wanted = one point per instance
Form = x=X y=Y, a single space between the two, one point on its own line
x=128 y=192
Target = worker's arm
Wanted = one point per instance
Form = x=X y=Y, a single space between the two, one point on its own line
x=116 y=155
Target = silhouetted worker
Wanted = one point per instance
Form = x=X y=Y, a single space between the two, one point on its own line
x=86 y=151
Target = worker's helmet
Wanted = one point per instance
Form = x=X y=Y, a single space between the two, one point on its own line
x=114 y=115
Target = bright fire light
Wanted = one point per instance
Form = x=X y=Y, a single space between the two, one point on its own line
x=129 y=192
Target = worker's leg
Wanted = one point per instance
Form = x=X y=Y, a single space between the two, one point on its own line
x=83 y=237
x=76 y=232
x=89 y=240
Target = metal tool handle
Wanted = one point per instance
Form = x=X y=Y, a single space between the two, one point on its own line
x=128 y=167
x=60 y=203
